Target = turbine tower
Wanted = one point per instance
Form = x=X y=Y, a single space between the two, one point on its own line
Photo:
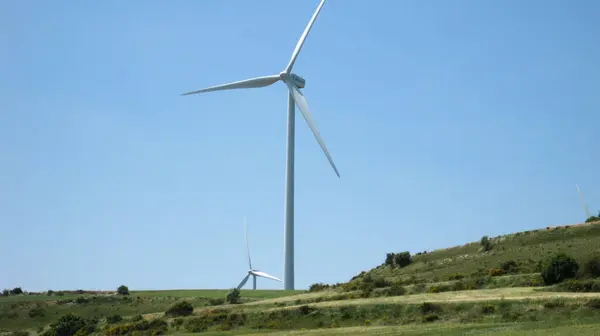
x=295 y=97
x=585 y=207
x=252 y=272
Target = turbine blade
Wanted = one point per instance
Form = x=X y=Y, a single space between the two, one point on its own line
x=265 y=275
x=243 y=282
x=303 y=106
x=247 y=247
x=245 y=84
x=300 y=43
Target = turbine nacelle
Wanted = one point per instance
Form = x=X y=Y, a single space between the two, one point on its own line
x=298 y=81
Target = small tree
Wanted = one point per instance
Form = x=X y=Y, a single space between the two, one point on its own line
x=389 y=259
x=402 y=259
x=559 y=268
x=16 y=291
x=5 y=292
x=123 y=290
x=485 y=243
x=233 y=296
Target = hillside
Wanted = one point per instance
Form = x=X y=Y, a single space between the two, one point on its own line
x=523 y=251
x=493 y=287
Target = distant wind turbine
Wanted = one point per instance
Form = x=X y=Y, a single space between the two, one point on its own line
x=295 y=97
x=252 y=272
x=585 y=207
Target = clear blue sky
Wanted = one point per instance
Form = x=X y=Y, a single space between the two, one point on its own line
x=447 y=120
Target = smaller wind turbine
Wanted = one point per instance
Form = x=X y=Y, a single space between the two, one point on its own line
x=585 y=207
x=252 y=272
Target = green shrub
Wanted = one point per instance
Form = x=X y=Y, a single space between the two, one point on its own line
x=402 y=259
x=396 y=290
x=37 y=312
x=233 y=296
x=153 y=327
x=182 y=308
x=68 y=325
x=430 y=318
x=177 y=323
x=591 y=267
x=496 y=272
x=509 y=266
x=455 y=276
x=123 y=290
x=559 y=268
x=137 y=318
x=116 y=318
x=389 y=259
x=428 y=307
x=580 y=286
x=486 y=244
x=488 y=309
x=216 y=301
x=317 y=287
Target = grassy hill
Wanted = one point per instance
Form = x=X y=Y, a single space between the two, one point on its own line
x=491 y=287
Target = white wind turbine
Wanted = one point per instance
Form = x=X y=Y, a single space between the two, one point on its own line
x=252 y=272
x=294 y=83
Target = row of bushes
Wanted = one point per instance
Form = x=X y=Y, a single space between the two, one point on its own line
x=122 y=290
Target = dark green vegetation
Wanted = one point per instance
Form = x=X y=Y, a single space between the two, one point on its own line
x=525 y=282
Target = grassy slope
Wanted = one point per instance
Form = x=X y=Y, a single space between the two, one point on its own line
x=14 y=310
x=527 y=248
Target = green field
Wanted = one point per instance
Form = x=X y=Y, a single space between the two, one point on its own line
x=464 y=290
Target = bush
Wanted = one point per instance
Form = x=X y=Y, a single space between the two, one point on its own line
x=591 y=268
x=485 y=243
x=496 y=272
x=455 y=276
x=182 y=308
x=430 y=318
x=389 y=259
x=37 y=312
x=5 y=292
x=593 y=218
x=216 y=301
x=428 y=307
x=233 y=297
x=559 y=268
x=580 y=286
x=68 y=325
x=123 y=290
x=396 y=290
x=488 y=309
x=137 y=318
x=116 y=318
x=402 y=259
x=317 y=287
x=177 y=323
x=509 y=266
x=16 y=291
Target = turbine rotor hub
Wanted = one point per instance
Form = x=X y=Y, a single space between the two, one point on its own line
x=293 y=78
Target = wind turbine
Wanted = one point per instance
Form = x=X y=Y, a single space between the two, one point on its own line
x=252 y=272
x=295 y=97
x=585 y=207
